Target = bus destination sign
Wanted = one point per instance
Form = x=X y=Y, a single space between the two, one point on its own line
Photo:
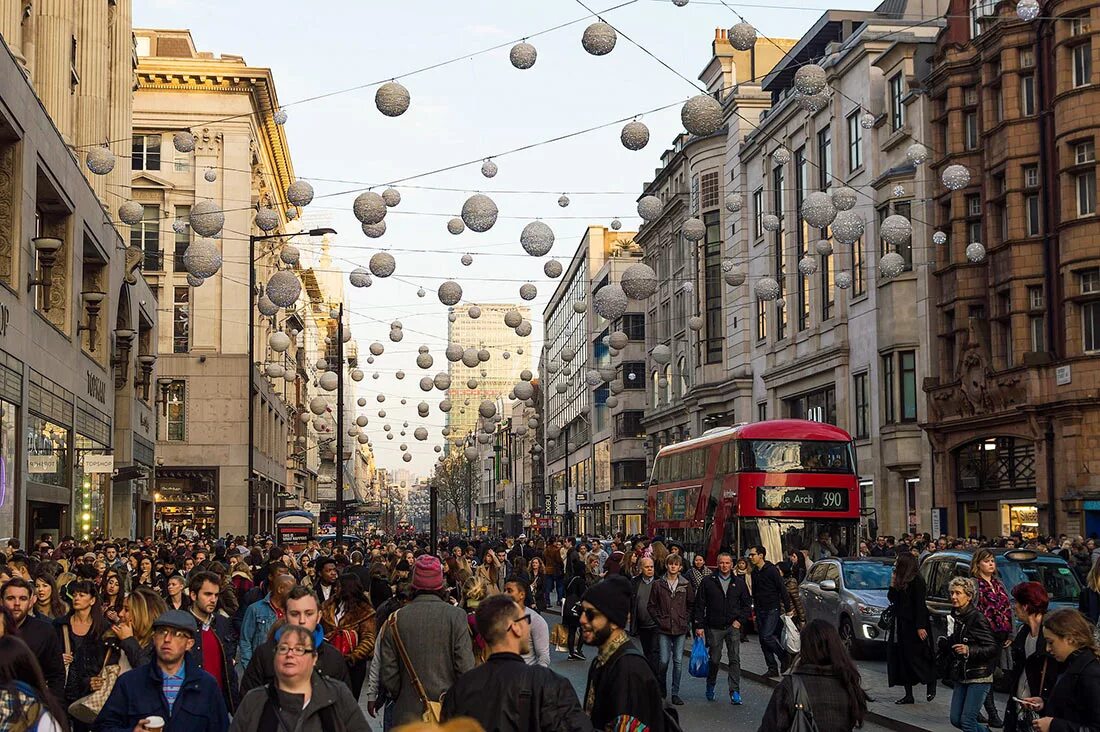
x=801 y=499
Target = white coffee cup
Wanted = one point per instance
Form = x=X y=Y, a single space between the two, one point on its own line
x=154 y=723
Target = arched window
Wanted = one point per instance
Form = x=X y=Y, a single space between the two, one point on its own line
x=668 y=382
x=995 y=463
x=683 y=376
x=656 y=381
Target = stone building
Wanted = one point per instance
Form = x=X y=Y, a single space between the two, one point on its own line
x=77 y=324
x=592 y=406
x=851 y=356
x=241 y=160
x=1013 y=408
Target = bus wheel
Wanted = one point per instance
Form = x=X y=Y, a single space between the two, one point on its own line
x=848 y=637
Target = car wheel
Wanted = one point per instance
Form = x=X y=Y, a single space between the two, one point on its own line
x=848 y=637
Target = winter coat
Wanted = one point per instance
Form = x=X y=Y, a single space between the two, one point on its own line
x=909 y=660
x=768 y=590
x=796 y=601
x=552 y=561
x=436 y=636
x=1042 y=670
x=139 y=694
x=360 y=621
x=504 y=694
x=258 y=619
x=261 y=670
x=624 y=684
x=971 y=629
x=227 y=637
x=45 y=643
x=828 y=701
x=994 y=604
x=672 y=608
x=331 y=708
x=716 y=609
x=1073 y=700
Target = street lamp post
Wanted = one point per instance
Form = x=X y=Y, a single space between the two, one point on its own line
x=250 y=480
x=340 y=427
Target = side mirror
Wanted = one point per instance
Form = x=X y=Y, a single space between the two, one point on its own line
x=828 y=585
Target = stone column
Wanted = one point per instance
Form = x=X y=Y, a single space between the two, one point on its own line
x=11 y=27
x=54 y=30
x=90 y=108
x=120 y=96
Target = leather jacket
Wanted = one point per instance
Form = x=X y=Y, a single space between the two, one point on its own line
x=972 y=630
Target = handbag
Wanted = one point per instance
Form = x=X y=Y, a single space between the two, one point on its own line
x=887 y=619
x=802 y=718
x=433 y=710
x=345 y=641
x=559 y=635
x=87 y=708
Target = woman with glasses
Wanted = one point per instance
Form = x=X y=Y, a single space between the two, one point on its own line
x=299 y=699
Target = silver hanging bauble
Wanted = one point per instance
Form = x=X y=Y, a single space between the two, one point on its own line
x=382 y=264
x=809 y=79
x=450 y=292
x=742 y=36
x=527 y=291
x=844 y=198
x=455 y=226
x=524 y=329
x=523 y=55
x=896 y=230
x=616 y=224
x=807 y=265
x=638 y=281
x=867 y=121
x=489 y=169
x=618 y=339
x=360 y=277
x=563 y=201
x=818 y=209
x=392 y=99
x=695 y=323
x=280 y=116
x=1027 y=10
x=701 y=115
x=263 y=304
x=649 y=208
x=975 y=252
x=210 y=175
x=202 y=258
x=206 y=218
x=369 y=207
x=939 y=238
x=194 y=281
x=466 y=259
x=278 y=341
x=766 y=288
x=479 y=212
x=599 y=38
x=391 y=197
x=770 y=222
x=267 y=219
x=734 y=278
x=634 y=135
x=917 y=153
x=473 y=312
x=537 y=238
x=610 y=301
x=283 y=288
x=183 y=141
x=694 y=229
x=843 y=280
x=425 y=360
x=487 y=409
x=299 y=193
x=955 y=177
x=848 y=227
x=513 y=318
x=130 y=212
x=100 y=160
x=442 y=381
x=374 y=231
x=781 y=156
x=734 y=202
x=523 y=390
x=814 y=103
x=552 y=268
x=290 y=254
x=823 y=247
x=891 y=265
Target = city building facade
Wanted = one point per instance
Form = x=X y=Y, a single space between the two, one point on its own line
x=77 y=326
x=240 y=161
x=842 y=343
x=593 y=395
x=1013 y=413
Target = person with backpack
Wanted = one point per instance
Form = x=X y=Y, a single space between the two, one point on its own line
x=824 y=681
x=348 y=621
x=299 y=699
x=25 y=700
x=504 y=693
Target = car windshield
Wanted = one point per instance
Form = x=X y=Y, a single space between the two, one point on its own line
x=1058 y=579
x=867 y=575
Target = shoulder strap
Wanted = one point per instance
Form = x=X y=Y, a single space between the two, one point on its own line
x=68 y=641
x=421 y=692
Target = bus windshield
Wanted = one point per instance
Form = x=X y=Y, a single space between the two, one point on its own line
x=781 y=536
x=795 y=456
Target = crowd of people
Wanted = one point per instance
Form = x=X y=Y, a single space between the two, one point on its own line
x=230 y=634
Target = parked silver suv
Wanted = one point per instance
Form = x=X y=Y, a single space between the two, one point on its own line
x=849 y=593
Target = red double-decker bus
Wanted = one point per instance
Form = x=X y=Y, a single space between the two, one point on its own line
x=779 y=483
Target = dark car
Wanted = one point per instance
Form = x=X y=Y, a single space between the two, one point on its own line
x=1013 y=565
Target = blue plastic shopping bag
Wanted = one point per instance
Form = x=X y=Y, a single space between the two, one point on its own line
x=700 y=659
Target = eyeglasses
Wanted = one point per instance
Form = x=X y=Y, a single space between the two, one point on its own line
x=285 y=650
x=591 y=613
x=175 y=633
x=522 y=619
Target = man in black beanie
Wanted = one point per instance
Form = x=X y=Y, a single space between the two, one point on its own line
x=620 y=680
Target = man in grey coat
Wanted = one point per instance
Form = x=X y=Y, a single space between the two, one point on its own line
x=436 y=636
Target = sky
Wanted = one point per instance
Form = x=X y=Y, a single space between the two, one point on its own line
x=475 y=108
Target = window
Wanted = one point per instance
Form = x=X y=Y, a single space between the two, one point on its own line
x=1003 y=341
x=802 y=235
x=1084 y=152
x=1082 y=64
x=761 y=320
x=1090 y=310
x=1027 y=59
x=1031 y=214
x=761 y=411
x=855 y=142
x=818 y=405
x=145 y=152
x=974 y=205
x=181 y=320
x=146 y=236
x=859 y=275
x=633 y=374
x=1027 y=95
x=712 y=283
x=1036 y=319
x=949 y=341
x=778 y=191
x=1090 y=282
x=1079 y=25
x=1085 y=186
x=998 y=103
x=710 y=189
x=1031 y=176
x=907 y=361
x=828 y=286
x=970 y=131
x=888 y=413
x=897 y=103
x=825 y=159
x=863 y=406
x=758 y=213
x=633 y=324
x=181 y=163
x=183 y=238
x=176 y=411
x=978 y=10
x=629 y=424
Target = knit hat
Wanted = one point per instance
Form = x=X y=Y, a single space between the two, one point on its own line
x=427 y=573
x=611 y=596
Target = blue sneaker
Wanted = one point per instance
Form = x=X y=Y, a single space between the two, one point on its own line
x=710 y=693
x=735 y=697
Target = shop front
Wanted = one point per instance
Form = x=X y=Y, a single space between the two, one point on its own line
x=11 y=396
x=186 y=501
x=995 y=487
x=49 y=435
x=91 y=475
